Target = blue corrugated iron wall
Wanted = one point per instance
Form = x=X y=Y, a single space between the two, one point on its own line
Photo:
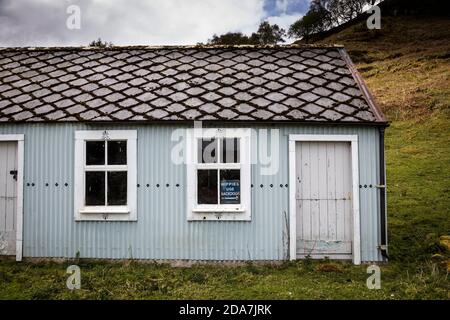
x=162 y=231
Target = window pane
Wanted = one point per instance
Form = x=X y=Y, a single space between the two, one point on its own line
x=95 y=188
x=207 y=186
x=117 y=152
x=207 y=150
x=230 y=186
x=95 y=152
x=230 y=150
x=117 y=188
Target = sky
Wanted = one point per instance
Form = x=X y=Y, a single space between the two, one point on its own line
x=136 y=22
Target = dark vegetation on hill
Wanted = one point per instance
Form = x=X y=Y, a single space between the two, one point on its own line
x=266 y=34
x=323 y=27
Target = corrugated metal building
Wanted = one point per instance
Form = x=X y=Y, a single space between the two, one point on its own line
x=107 y=160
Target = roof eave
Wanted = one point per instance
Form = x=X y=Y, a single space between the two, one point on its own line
x=183 y=121
x=374 y=106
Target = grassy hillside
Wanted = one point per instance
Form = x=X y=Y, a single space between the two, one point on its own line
x=406 y=65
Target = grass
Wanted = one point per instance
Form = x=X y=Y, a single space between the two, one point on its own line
x=297 y=280
x=418 y=173
x=407 y=67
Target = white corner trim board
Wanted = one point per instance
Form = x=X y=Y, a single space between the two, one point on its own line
x=20 y=139
x=126 y=212
x=353 y=139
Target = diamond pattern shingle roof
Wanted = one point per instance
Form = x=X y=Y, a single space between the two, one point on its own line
x=182 y=83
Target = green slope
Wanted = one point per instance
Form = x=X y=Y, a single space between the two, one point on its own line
x=406 y=65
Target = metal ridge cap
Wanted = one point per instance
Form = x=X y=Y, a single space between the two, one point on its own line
x=180 y=47
x=363 y=87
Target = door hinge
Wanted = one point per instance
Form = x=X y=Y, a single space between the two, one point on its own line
x=14 y=174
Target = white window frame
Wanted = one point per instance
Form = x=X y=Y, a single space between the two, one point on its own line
x=105 y=213
x=353 y=139
x=227 y=212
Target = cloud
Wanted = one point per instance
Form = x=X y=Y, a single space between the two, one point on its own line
x=282 y=5
x=125 y=22
x=132 y=22
x=287 y=7
x=285 y=20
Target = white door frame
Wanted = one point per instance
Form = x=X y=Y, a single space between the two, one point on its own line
x=19 y=138
x=353 y=139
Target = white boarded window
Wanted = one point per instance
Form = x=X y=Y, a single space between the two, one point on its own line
x=105 y=175
x=219 y=174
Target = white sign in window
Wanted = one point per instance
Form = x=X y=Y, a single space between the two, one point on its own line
x=105 y=175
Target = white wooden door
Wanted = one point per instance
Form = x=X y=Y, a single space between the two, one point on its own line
x=324 y=200
x=8 y=197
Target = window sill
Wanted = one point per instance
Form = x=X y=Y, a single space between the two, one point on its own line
x=104 y=210
x=105 y=214
x=219 y=214
x=219 y=210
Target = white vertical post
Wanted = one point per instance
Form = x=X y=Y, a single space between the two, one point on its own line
x=292 y=203
x=356 y=218
x=19 y=211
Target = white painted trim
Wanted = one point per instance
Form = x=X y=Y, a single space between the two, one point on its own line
x=20 y=138
x=99 y=134
x=322 y=137
x=293 y=138
x=356 y=214
x=106 y=210
x=292 y=204
x=104 y=213
x=19 y=209
x=218 y=208
x=12 y=137
x=197 y=212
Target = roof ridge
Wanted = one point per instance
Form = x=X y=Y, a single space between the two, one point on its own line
x=159 y=47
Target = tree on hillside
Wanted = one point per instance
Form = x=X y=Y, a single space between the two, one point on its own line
x=325 y=14
x=345 y=10
x=229 y=38
x=322 y=9
x=315 y=20
x=266 y=34
x=100 y=43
